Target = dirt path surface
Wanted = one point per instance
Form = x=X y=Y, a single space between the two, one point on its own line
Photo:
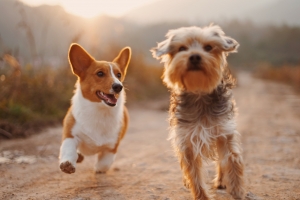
x=146 y=168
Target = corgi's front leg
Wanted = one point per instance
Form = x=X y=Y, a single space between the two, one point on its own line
x=104 y=160
x=68 y=150
x=68 y=155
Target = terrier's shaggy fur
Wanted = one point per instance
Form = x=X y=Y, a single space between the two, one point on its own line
x=202 y=109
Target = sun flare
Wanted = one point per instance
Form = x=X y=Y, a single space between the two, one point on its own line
x=93 y=8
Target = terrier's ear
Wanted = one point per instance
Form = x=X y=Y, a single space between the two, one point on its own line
x=225 y=43
x=229 y=44
x=161 y=49
x=79 y=59
x=123 y=59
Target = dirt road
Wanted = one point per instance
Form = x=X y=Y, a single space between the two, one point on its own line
x=146 y=168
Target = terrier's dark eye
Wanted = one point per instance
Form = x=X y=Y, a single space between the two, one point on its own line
x=119 y=75
x=100 y=74
x=207 y=48
x=182 y=48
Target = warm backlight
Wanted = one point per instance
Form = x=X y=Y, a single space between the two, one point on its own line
x=93 y=8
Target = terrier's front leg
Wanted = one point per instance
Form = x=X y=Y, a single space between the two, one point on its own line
x=221 y=149
x=104 y=160
x=231 y=165
x=68 y=155
x=235 y=169
x=193 y=175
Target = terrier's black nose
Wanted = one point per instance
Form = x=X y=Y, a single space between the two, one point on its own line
x=195 y=59
x=117 y=87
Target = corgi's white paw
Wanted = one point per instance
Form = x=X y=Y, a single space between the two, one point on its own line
x=104 y=161
x=101 y=168
x=67 y=167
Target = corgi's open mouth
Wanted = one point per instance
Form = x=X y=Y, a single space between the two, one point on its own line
x=109 y=99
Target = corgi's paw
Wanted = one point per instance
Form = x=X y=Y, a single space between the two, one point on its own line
x=101 y=169
x=80 y=158
x=67 y=167
x=104 y=162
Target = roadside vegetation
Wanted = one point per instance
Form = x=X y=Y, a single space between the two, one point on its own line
x=34 y=96
x=286 y=74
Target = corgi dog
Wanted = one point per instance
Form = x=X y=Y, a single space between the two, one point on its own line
x=97 y=120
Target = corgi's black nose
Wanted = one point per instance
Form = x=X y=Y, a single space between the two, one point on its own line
x=117 y=87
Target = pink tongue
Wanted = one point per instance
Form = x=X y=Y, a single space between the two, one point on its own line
x=111 y=98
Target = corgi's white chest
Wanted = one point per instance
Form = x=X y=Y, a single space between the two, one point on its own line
x=96 y=124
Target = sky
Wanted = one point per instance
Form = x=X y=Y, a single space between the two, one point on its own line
x=92 y=8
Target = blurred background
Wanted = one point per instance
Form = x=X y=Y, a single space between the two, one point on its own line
x=36 y=82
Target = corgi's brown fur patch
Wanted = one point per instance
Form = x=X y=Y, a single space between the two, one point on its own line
x=98 y=119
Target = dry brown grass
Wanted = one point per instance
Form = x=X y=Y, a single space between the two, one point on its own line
x=284 y=74
x=33 y=98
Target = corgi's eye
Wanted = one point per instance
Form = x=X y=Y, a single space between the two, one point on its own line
x=100 y=74
x=119 y=75
x=182 y=48
x=207 y=48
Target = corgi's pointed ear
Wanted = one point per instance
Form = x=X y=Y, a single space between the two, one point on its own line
x=79 y=59
x=123 y=59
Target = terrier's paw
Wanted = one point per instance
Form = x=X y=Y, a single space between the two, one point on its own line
x=218 y=185
x=186 y=183
x=238 y=193
x=67 y=167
